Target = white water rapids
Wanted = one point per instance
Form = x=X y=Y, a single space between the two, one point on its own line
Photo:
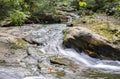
x=52 y=37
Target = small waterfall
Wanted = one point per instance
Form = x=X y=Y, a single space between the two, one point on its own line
x=105 y=65
x=52 y=37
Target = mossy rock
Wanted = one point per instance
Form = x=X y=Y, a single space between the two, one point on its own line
x=64 y=61
x=117 y=34
x=60 y=74
x=64 y=37
x=60 y=61
x=18 y=44
x=110 y=33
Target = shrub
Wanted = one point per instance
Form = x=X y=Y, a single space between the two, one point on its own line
x=18 y=17
x=17 y=11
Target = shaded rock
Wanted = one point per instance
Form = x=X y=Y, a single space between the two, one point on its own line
x=91 y=43
x=63 y=61
x=30 y=39
x=69 y=24
x=47 y=18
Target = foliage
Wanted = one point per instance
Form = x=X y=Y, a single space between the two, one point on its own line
x=110 y=7
x=82 y=4
x=18 y=11
x=4 y=8
x=13 y=10
x=18 y=17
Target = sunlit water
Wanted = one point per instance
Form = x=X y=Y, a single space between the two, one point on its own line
x=52 y=37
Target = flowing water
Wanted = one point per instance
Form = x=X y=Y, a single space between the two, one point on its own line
x=52 y=38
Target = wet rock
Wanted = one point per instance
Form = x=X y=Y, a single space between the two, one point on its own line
x=9 y=57
x=16 y=72
x=69 y=63
x=40 y=77
x=91 y=43
x=60 y=61
x=17 y=44
x=60 y=74
x=30 y=39
x=35 y=52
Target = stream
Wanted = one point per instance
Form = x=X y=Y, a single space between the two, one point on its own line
x=52 y=38
x=36 y=59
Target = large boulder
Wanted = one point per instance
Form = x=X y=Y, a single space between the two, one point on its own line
x=91 y=43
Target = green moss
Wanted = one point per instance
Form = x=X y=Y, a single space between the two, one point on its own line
x=117 y=34
x=65 y=36
x=18 y=44
x=1 y=44
x=21 y=42
x=101 y=26
x=102 y=30
x=60 y=74
x=91 y=21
